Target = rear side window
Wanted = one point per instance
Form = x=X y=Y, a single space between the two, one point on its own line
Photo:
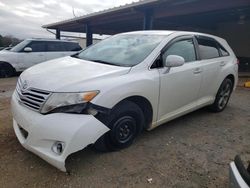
x=55 y=46
x=37 y=46
x=184 y=48
x=223 y=51
x=208 y=48
x=70 y=46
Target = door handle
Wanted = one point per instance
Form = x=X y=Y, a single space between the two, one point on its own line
x=197 y=71
x=222 y=63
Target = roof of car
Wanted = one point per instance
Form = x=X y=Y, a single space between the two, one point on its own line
x=150 y=32
x=169 y=32
x=54 y=40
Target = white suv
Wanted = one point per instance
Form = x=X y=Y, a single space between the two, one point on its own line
x=33 y=51
x=112 y=91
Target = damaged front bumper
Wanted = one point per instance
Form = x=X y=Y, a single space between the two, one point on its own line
x=40 y=133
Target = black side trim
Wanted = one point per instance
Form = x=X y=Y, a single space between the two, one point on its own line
x=100 y=109
x=242 y=170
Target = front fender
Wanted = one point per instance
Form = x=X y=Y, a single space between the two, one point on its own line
x=145 y=84
x=8 y=57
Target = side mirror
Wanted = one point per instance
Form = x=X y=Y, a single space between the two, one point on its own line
x=174 y=61
x=27 y=49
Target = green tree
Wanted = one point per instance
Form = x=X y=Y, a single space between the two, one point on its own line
x=8 y=40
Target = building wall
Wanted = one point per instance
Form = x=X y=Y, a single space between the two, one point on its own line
x=82 y=42
x=237 y=35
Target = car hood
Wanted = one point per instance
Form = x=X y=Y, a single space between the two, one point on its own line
x=68 y=74
x=4 y=53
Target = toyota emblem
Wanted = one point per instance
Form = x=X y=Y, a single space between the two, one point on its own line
x=25 y=85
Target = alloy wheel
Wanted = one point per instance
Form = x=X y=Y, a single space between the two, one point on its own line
x=224 y=96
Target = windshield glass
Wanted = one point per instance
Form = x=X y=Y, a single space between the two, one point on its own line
x=122 y=50
x=20 y=46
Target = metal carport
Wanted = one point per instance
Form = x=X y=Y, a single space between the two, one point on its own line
x=227 y=18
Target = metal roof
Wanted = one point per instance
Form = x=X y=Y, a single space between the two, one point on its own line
x=110 y=10
x=49 y=40
x=168 y=15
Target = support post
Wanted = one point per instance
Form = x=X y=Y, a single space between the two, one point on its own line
x=58 y=34
x=89 y=35
x=148 y=19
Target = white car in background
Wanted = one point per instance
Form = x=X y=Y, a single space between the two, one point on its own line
x=109 y=93
x=33 y=51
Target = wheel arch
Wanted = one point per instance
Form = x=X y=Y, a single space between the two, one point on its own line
x=2 y=63
x=145 y=105
x=231 y=77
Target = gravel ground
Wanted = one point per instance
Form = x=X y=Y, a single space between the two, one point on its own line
x=191 y=151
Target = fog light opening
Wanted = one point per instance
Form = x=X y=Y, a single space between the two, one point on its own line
x=58 y=147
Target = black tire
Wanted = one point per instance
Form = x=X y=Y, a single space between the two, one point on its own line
x=126 y=122
x=6 y=70
x=222 y=96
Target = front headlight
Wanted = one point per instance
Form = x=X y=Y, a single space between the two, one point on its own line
x=57 y=100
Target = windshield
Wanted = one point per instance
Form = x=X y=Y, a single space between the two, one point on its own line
x=20 y=46
x=122 y=50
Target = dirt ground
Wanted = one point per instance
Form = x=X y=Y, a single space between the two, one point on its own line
x=191 y=151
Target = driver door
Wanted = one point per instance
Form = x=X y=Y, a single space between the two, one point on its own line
x=179 y=87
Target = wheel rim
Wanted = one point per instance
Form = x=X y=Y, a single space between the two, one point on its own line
x=125 y=129
x=224 y=96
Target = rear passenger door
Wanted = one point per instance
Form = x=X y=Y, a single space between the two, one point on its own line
x=55 y=50
x=212 y=63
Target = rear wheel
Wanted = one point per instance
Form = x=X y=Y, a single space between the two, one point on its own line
x=125 y=122
x=6 y=70
x=222 y=96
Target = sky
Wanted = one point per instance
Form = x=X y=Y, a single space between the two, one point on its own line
x=24 y=18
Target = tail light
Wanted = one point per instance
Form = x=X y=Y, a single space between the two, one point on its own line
x=238 y=61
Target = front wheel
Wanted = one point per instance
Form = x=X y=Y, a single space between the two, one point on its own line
x=6 y=70
x=126 y=122
x=222 y=96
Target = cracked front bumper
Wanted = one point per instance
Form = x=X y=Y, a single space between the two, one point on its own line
x=38 y=133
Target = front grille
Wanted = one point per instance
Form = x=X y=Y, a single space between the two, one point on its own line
x=31 y=97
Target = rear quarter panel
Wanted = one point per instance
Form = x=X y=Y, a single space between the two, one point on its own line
x=231 y=67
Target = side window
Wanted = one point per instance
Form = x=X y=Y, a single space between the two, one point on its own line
x=208 y=48
x=72 y=46
x=184 y=48
x=223 y=51
x=55 y=46
x=37 y=46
